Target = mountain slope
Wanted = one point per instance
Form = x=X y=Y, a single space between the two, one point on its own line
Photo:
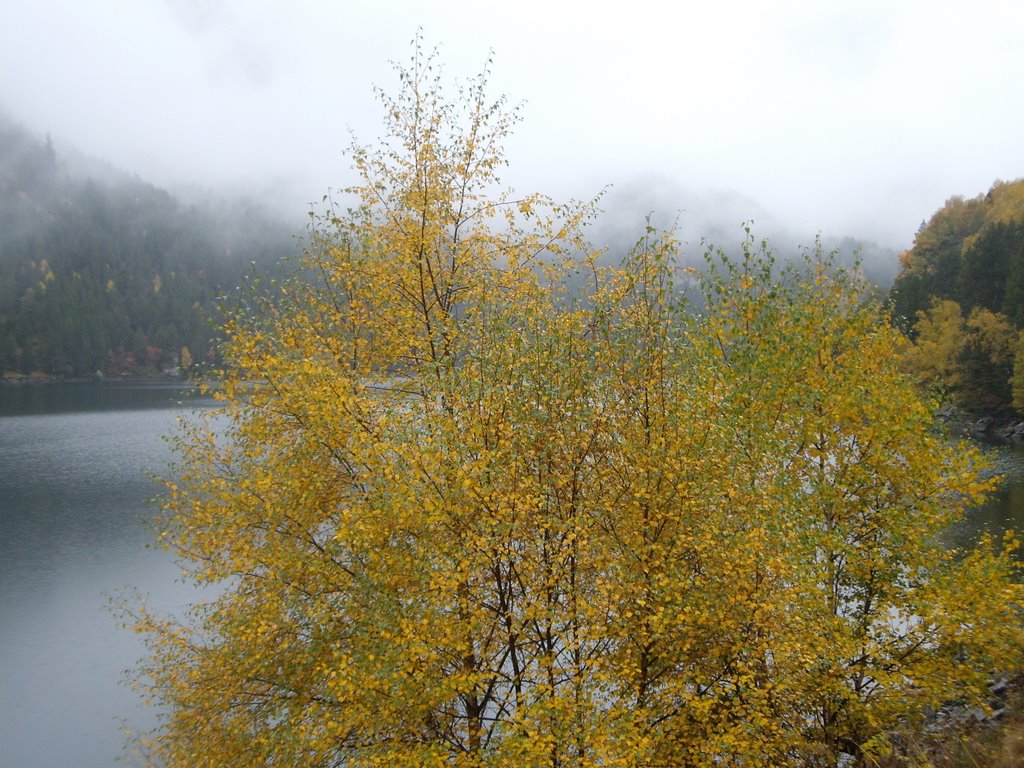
x=109 y=274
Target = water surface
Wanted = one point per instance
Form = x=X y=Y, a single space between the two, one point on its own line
x=74 y=489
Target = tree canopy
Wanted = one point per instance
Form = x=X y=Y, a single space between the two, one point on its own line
x=971 y=252
x=968 y=260
x=461 y=516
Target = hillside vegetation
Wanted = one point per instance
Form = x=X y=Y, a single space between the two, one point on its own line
x=102 y=272
x=960 y=292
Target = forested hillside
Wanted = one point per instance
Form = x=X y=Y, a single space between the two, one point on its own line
x=102 y=272
x=961 y=293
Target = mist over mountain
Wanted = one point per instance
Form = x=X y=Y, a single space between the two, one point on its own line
x=103 y=273
x=717 y=218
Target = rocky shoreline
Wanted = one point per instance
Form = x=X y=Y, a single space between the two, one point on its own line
x=1007 y=429
x=995 y=429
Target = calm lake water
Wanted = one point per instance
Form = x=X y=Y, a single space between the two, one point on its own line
x=74 y=490
x=74 y=485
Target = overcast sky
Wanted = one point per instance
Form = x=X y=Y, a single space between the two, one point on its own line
x=855 y=117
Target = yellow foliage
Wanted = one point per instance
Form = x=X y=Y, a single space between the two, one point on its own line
x=1006 y=199
x=956 y=220
x=934 y=355
x=461 y=516
x=1004 y=204
x=994 y=334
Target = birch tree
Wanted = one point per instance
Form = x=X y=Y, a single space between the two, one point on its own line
x=461 y=515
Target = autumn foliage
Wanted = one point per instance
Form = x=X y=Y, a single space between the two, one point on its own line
x=960 y=294
x=461 y=515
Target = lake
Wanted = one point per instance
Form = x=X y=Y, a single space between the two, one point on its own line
x=74 y=485
x=74 y=490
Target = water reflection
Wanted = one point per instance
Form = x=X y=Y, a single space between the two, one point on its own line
x=1005 y=508
x=95 y=396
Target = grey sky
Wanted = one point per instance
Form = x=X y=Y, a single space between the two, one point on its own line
x=851 y=117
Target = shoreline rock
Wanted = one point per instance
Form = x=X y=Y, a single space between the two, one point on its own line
x=1006 y=429
x=1001 y=430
